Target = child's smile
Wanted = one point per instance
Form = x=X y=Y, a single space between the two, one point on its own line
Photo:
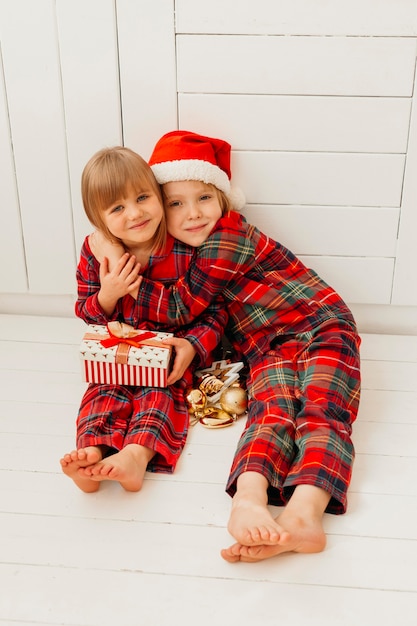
x=192 y=210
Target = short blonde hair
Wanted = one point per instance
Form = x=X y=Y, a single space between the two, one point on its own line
x=224 y=201
x=106 y=178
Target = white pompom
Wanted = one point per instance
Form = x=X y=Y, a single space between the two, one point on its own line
x=237 y=198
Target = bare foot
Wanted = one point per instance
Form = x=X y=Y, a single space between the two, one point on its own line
x=300 y=529
x=126 y=467
x=300 y=535
x=73 y=461
x=250 y=521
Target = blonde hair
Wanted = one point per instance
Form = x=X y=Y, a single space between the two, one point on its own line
x=106 y=178
x=224 y=201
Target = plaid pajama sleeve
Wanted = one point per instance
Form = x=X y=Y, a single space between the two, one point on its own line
x=204 y=332
x=268 y=291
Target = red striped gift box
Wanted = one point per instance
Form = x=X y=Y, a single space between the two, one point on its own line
x=135 y=360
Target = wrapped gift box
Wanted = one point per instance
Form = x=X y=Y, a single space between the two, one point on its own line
x=137 y=359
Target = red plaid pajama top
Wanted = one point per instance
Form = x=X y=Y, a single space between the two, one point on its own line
x=115 y=415
x=300 y=340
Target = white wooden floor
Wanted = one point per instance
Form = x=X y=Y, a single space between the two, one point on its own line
x=123 y=559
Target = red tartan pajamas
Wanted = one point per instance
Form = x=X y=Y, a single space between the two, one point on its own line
x=154 y=417
x=303 y=399
x=117 y=415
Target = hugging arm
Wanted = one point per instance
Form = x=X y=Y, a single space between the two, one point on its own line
x=224 y=257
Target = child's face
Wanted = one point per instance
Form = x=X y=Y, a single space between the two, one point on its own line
x=135 y=218
x=192 y=210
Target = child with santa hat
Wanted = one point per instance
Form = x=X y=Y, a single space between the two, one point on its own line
x=296 y=334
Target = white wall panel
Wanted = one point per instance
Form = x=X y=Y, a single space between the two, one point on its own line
x=147 y=71
x=298 y=17
x=319 y=178
x=405 y=281
x=33 y=90
x=358 y=280
x=307 y=123
x=315 y=96
x=12 y=255
x=90 y=77
x=358 y=66
x=338 y=231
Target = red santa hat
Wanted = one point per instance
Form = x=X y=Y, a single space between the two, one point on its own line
x=183 y=155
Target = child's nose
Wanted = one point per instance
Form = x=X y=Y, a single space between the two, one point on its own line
x=134 y=209
x=194 y=210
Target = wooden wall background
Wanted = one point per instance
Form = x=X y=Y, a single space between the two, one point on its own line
x=317 y=99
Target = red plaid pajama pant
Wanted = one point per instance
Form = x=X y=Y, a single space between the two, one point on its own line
x=303 y=399
x=154 y=417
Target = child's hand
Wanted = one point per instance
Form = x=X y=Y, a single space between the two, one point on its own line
x=103 y=248
x=184 y=354
x=122 y=280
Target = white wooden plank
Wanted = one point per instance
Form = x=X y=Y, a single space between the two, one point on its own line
x=11 y=242
x=299 y=17
x=373 y=318
x=90 y=81
x=390 y=375
x=385 y=438
x=373 y=180
x=47 y=386
x=42 y=329
x=389 y=348
x=147 y=71
x=376 y=507
x=357 y=279
x=85 y=539
x=382 y=405
x=344 y=231
x=377 y=474
x=49 y=592
x=406 y=261
x=354 y=66
x=40 y=418
x=33 y=88
x=306 y=123
x=35 y=356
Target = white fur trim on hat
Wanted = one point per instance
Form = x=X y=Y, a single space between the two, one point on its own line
x=191 y=169
x=196 y=169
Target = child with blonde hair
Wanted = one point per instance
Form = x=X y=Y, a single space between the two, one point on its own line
x=123 y=431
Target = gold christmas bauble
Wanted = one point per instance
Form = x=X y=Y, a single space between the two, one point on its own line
x=234 y=400
x=196 y=400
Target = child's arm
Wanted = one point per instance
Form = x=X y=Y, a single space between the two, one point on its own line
x=206 y=332
x=226 y=256
x=119 y=274
x=99 y=290
x=103 y=248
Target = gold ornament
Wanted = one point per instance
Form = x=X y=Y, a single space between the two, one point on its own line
x=197 y=401
x=234 y=400
x=216 y=418
x=210 y=385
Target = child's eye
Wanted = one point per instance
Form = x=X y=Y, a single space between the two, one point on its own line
x=117 y=209
x=142 y=197
x=205 y=197
x=173 y=203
